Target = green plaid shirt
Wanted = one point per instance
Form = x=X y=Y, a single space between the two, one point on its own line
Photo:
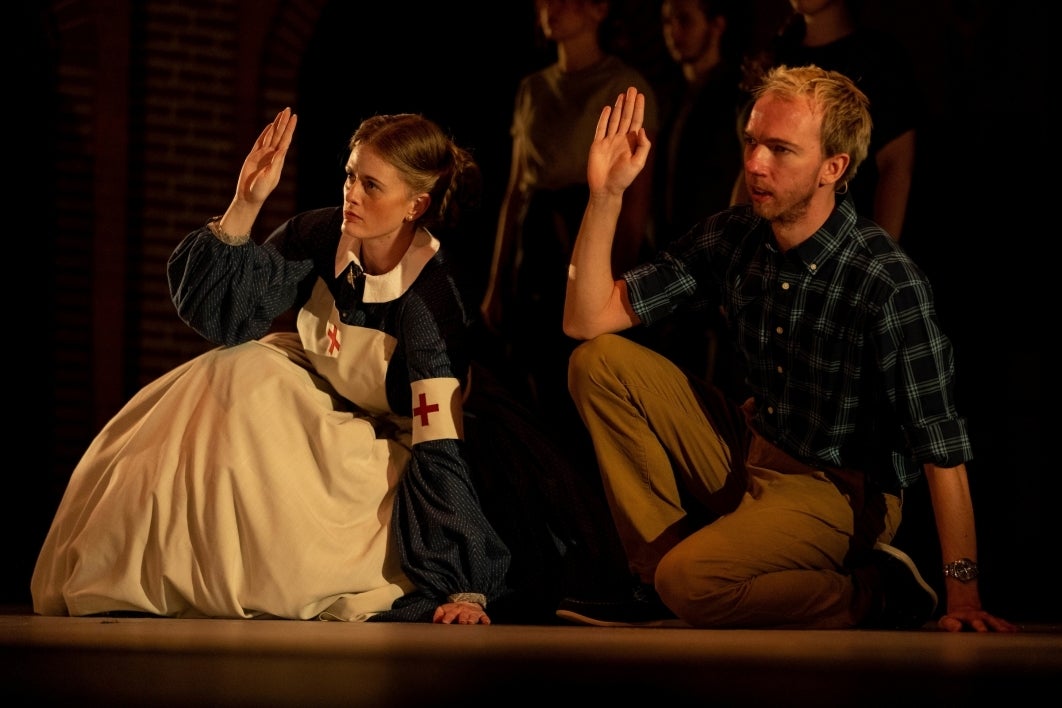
x=839 y=339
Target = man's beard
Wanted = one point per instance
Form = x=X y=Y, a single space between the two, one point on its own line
x=785 y=214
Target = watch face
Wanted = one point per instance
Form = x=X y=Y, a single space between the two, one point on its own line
x=964 y=570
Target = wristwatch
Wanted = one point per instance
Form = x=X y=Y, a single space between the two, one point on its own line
x=964 y=570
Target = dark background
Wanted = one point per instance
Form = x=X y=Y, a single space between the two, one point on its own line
x=127 y=123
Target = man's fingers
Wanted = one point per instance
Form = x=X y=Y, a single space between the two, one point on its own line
x=630 y=102
x=639 y=112
x=602 y=122
x=626 y=115
x=617 y=115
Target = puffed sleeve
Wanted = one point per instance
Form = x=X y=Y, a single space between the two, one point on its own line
x=445 y=542
x=231 y=294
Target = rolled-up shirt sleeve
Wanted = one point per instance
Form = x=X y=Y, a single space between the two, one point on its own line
x=917 y=362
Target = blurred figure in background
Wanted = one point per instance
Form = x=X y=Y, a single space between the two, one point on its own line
x=700 y=147
x=554 y=119
x=700 y=154
x=829 y=34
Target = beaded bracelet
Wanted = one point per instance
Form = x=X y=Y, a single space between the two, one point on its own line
x=214 y=224
x=474 y=597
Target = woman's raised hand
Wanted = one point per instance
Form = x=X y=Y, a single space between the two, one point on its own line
x=262 y=167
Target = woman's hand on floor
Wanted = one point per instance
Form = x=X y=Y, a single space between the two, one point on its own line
x=460 y=613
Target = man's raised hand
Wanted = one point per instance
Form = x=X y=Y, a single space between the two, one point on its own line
x=620 y=147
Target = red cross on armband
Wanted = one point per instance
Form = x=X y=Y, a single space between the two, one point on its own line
x=333 y=339
x=424 y=409
x=436 y=409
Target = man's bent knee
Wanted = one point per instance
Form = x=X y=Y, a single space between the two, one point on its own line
x=697 y=598
x=590 y=356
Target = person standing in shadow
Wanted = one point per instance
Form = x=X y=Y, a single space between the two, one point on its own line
x=831 y=35
x=553 y=124
x=700 y=154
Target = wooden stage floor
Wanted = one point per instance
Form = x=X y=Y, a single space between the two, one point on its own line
x=180 y=662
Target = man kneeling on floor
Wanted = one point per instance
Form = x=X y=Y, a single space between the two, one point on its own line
x=777 y=512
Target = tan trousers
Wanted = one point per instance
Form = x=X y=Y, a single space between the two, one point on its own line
x=732 y=531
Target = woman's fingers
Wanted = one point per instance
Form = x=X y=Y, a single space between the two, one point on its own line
x=278 y=134
x=288 y=129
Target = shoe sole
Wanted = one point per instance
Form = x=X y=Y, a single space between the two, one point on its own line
x=571 y=616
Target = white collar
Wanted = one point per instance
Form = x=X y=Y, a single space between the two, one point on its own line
x=392 y=284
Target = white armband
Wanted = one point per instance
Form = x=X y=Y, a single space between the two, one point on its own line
x=437 y=410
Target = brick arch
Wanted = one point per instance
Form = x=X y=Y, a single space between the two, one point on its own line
x=87 y=53
x=57 y=83
x=153 y=108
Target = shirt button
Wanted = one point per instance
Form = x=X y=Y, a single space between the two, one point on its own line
x=785 y=286
x=778 y=330
x=813 y=266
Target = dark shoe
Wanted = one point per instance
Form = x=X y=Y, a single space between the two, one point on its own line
x=642 y=608
x=908 y=600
